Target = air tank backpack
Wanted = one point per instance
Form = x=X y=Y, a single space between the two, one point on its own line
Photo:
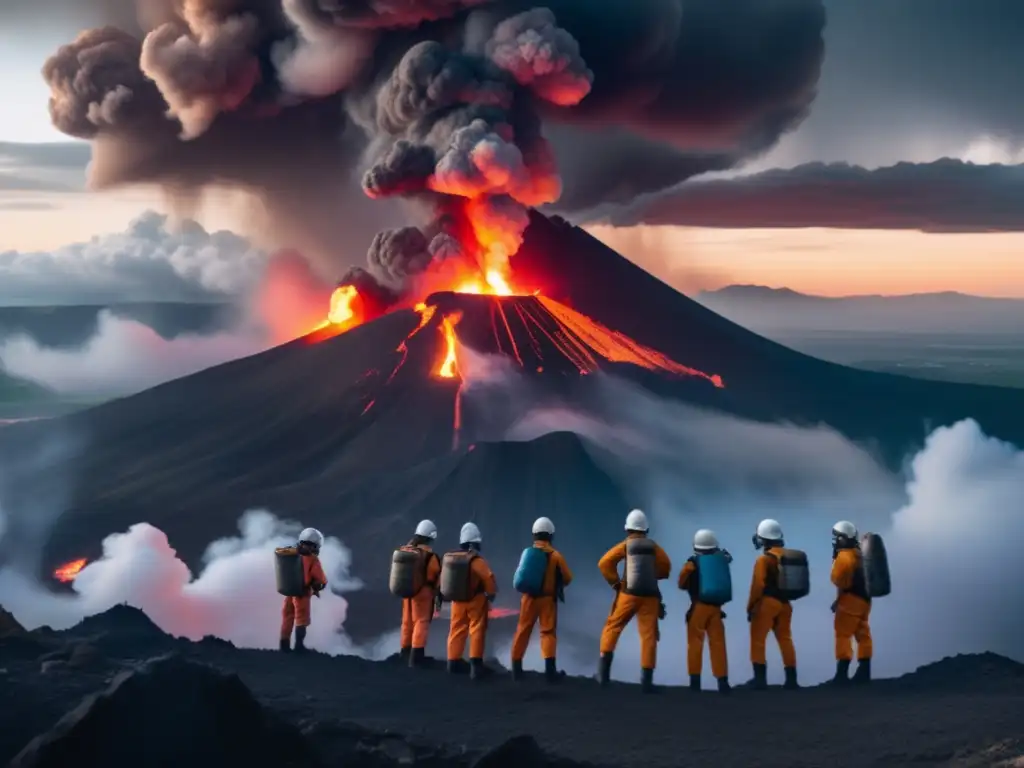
x=714 y=578
x=794 y=575
x=641 y=573
x=291 y=579
x=408 y=571
x=533 y=567
x=455 y=576
x=874 y=563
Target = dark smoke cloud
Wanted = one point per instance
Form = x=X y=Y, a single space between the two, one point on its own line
x=944 y=196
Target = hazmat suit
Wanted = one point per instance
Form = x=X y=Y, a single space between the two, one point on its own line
x=647 y=610
x=766 y=611
x=542 y=608
x=704 y=619
x=469 y=618
x=852 y=606
x=295 y=613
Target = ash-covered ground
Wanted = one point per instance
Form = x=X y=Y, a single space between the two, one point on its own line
x=116 y=690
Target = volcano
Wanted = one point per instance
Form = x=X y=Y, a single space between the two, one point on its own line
x=366 y=432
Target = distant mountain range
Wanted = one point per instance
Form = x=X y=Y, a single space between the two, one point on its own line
x=783 y=309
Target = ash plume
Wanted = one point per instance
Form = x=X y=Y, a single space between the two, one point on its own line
x=437 y=101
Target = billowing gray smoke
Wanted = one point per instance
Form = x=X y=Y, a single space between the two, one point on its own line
x=439 y=101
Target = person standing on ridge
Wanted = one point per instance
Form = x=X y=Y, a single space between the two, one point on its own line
x=636 y=594
x=468 y=583
x=768 y=609
x=852 y=606
x=418 y=611
x=706 y=577
x=541 y=577
x=296 y=610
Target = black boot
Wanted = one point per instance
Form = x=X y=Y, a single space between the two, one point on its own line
x=286 y=644
x=723 y=685
x=791 y=683
x=477 y=669
x=551 y=671
x=863 y=674
x=300 y=639
x=760 y=681
x=604 y=674
x=517 y=670
x=417 y=656
x=842 y=672
x=404 y=653
x=647 y=681
x=695 y=683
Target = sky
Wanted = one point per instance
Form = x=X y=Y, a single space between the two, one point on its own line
x=912 y=82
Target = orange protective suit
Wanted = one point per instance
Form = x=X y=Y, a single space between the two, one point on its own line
x=470 y=618
x=295 y=611
x=543 y=608
x=853 y=607
x=625 y=607
x=768 y=613
x=418 y=611
x=703 y=619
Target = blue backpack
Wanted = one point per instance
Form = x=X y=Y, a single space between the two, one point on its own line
x=714 y=578
x=533 y=566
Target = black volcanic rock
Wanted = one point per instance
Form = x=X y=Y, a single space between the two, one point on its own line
x=169 y=712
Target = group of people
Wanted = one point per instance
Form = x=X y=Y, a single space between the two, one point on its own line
x=464 y=579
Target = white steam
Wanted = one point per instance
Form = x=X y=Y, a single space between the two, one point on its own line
x=234 y=597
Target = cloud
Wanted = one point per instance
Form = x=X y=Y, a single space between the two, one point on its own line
x=54 y=167
x=150 y=261
x=943 y=196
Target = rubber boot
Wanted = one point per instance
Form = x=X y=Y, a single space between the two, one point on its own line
x=647 y=681
x=695 y=683
x=791 y=683
x=551 y=671
x=604 y=674
x=760 y=681
x=842 y=677
x=417 y=656
x=453 y=665
x=404 y=653
x=300 y=639
x=863 y=674
x=517 y=670
x=723 y=685
x=286 y=644
x=477 y=669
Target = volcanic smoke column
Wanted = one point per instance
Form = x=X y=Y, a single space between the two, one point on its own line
x=459 y=129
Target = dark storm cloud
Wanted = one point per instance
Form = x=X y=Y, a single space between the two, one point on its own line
x=943 y=196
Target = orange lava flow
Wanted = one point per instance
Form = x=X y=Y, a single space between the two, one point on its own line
x=69 y=571
x=343 y=314
x=449 y=368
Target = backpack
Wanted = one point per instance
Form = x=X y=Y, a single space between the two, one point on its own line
x=794 y=575
x=874 y=563
x=291 y=576
x=641 y=572
x=408 y=571
x=533 y=567
x=714 y=578
x=456 y=568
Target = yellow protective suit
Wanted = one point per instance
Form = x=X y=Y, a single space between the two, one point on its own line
x=542 y=608
x=853 y=607
x=470 y=618
x=625 y=607
x=295 y=611
x=418 y=611
x=703 y=619
x=768 y=613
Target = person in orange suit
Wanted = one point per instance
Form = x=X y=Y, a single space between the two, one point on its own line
x=703 y=618
x=852 y=606
x=418 y=611
x=470 y=618
x=647 y=609
x=295 y=611
x=543 y=608
x=767 y=612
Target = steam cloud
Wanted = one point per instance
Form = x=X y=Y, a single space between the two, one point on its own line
x=441 y=101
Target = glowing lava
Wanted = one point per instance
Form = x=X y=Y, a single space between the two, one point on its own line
x=449 y=366
x=67 y=572
x=493 y=283
x=343 y=311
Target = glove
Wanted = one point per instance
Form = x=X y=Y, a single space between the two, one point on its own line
x=438 y=602
x=723 y=615
x=835 y=603
x=661 y=610
x=750 y=617
x=689 y=614
x=490 y=598
x=617 y=586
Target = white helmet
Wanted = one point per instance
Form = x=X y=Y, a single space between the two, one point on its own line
x=312 y=536
x=637 y=521
x=705 y=540
x=543 y=525
x=769 y=530
x=844 y=529
x=426 y=529
x=470 y=534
